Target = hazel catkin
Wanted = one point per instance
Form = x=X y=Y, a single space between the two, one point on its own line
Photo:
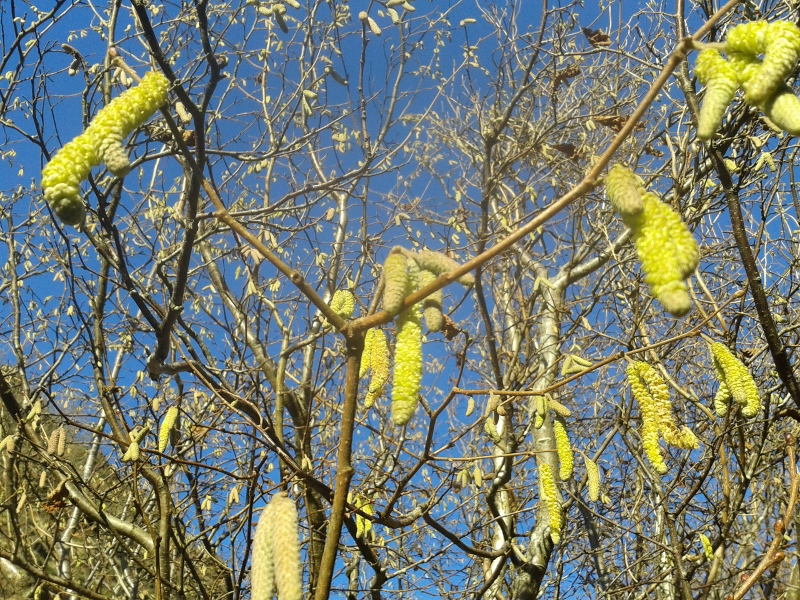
x=565 y=459
x=779 y=42
x=438 y=263
x=721 y=82
x=395 y=282
x=624 y=190
x=592 y=478
x=262 y=568
x=736 y=383
x=667 y=251
x=379 y=362
x=645 y=384
x=431 y=305
x=101 y=142
x=407 y=366
x=286 y=548
x=343 y=303
x=548 y=491
x=166 y=428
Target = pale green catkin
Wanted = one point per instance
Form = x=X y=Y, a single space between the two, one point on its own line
x=438 y=263
x=779 y=42
x=721 y=83
x=395 y=282
x=432 y=305
x=286 y=548
x=624 y=190
x=262 y=568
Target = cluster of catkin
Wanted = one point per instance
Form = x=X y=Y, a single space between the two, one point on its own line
x=100 y=143
x=666 y=248
x=652 y=395
x=404 y=272
x=761 y=79
x=276 y=565
x=735 y=383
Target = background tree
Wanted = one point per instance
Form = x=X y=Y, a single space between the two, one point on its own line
x=299 y=145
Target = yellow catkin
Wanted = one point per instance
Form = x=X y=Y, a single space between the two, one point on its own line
x=262 y=568
x=395 y=286
x=721 y=82
x=438 y=263
x=343 y=303
x=166 y=428
x=286 y=548
x=366 y=354
x=667 y=251
x=432 y=305
x=592 y=478
x=644 y=380
x=549 y=493
x=625 y=190
x=565 y=459
x=708 y=550
x=737 y=381
x=407 y=366
x=62 y=441
x=779 y=42
x=379 y=361
x=101 y=142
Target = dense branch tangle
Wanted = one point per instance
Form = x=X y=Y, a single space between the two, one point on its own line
x=298 y=146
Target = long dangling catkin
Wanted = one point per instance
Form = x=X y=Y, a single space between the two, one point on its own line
x=438 y=263
x=379 y=361
x=548 y=491
x=667 y=251
x=565 y=459
x=407 y=366
x=262 y=569
x=101 y=142
x=395 y=282
x=592 y=478
x=721 y=82
x=737 y=380
x=624 y=190
x=642 y=378
x=166 y=428
x=286 y=548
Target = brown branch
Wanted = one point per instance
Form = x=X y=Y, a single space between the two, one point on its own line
x=774 y=555
x=344 y=469
x=587 y=184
